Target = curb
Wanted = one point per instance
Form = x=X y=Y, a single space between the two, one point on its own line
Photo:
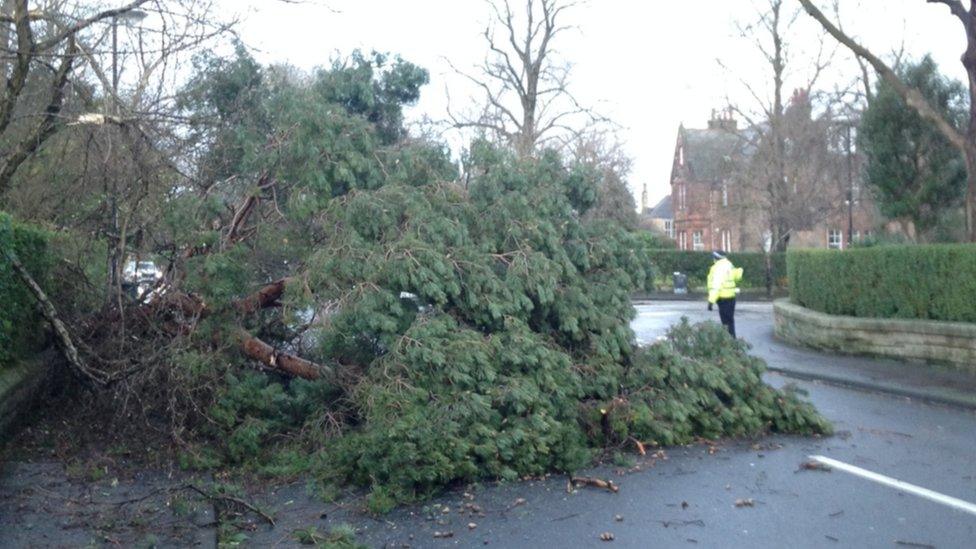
x=967 y=402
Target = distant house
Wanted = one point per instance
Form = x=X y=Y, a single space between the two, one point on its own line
x=714 y=210
x=658 y=218
x=701 y=177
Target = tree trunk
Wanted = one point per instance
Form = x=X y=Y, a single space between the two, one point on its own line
x=971 y=191
x=768 y=257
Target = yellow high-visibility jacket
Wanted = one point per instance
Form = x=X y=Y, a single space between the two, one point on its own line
x=722 y=279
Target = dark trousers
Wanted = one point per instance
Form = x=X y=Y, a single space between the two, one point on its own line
x=726 y=312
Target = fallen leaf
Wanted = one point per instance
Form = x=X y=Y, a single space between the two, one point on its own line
x=606 y=536
x=596 y=483
x=745 y=502
x=472 y=526
x=443 y=534
x=519 y=501
x=812 y=465
x=618 y=518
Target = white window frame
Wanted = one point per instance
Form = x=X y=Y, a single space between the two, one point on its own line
x=725 y=194
x=669 y=228
x=683 y=240
x=697 y=241
x=835 y=239
x=682 y=196
x=681 y=155
x=726 y=240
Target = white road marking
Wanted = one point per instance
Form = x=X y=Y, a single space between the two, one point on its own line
x=931 y=495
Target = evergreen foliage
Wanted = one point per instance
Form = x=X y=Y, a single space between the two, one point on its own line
x=916 y=174
x=932 y=281
x=473 y=327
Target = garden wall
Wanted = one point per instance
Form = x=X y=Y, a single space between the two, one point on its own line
x=952 y=343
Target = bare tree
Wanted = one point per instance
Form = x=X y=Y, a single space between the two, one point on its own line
x=964 y=140
x=603 y=152
x=779 y=183
x=527 y=102
x=110 y=115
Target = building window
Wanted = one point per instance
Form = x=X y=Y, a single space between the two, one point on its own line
x=683 y=241
x=726 y=240
x=669 y=228
x=835 y=239
x=681 y=155
x=696 y=241
x=856 y=237
x=725 y=194
x=681 y=197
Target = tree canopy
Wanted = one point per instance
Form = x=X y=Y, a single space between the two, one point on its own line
x=915 y=172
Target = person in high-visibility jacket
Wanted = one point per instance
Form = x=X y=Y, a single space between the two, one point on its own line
x=722 y=280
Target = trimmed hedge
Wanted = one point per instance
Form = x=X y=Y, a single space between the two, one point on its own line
x=933 y=282
x=20 y=326
x=697 y=264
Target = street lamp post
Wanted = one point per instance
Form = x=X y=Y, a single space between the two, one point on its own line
x=850 y=189
x=133 y=15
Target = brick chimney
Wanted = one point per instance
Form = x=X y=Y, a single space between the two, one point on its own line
x=723 y=120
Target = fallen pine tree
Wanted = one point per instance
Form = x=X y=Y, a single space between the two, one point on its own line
x=413 y=330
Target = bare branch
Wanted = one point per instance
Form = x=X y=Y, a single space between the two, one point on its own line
x=911 y=96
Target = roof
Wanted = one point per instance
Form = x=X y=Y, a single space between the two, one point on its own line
x=709 y=153
x=662 y=210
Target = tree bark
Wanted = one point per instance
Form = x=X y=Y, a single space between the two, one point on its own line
x=278 y=360
x=267 y=296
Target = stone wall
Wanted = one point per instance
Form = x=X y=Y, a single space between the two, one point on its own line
x=952 y=343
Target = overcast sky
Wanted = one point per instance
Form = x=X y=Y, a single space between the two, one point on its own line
x=650 y=66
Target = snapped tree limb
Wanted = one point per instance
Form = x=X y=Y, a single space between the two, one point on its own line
x=910 y=95
x=66 y=345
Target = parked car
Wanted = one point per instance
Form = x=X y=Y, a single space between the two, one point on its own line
x=141 y=272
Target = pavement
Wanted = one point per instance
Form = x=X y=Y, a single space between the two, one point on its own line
x=928 y=382
x=728 y=494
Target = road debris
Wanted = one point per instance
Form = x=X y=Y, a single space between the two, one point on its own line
x=618 y=518
x=606 y=536
x=670 y=523
x=914 y=544
x=745 y=502
x=442 y=535
x=594 y=482
x=472 y=526
x=813 y=465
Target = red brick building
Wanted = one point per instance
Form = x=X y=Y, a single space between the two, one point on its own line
x=701 y=180
x=713 y=210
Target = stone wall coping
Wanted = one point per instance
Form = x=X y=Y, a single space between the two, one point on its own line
x=914 y=326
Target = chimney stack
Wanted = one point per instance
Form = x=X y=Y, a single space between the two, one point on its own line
x=723 y=120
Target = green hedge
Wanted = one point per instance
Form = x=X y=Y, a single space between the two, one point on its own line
x=935 y=282
x=696 y=265
x=20 y=328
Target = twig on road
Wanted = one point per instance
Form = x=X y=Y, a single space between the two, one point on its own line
x=914 y=544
